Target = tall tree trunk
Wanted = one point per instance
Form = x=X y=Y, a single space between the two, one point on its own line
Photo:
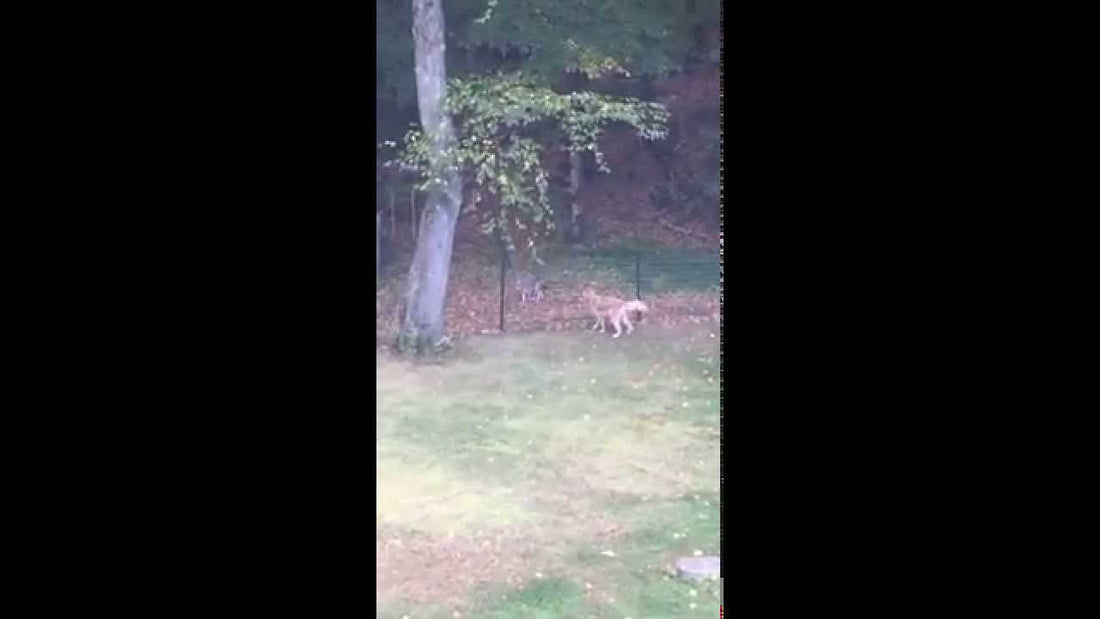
x=576 y=168
x=581 y=225
x=562 y=204
x=427 y=284
x=566 y=210
x=563 y=193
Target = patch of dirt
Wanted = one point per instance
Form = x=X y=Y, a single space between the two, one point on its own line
x=424 y=569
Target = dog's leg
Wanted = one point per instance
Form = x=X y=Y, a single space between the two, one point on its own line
x=616 y=321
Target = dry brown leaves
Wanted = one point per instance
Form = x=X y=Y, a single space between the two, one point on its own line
x=426 y=569
x=473 y=307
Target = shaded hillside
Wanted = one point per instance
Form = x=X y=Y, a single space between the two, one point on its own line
x=664 y=192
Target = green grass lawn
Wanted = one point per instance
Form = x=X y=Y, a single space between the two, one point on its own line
x=549 y=475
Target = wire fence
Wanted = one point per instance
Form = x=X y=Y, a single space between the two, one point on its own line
x=637 y=273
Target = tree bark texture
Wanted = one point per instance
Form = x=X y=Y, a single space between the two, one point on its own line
x=563 y=216
x=580 y=228
x=576 y=166
x=427 y=284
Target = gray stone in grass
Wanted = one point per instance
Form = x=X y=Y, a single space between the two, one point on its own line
x=698 y=568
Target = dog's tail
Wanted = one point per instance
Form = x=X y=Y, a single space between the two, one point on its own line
x=635 y=306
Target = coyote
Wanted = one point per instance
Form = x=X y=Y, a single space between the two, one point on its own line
x=527 y=285
x=615 y=309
